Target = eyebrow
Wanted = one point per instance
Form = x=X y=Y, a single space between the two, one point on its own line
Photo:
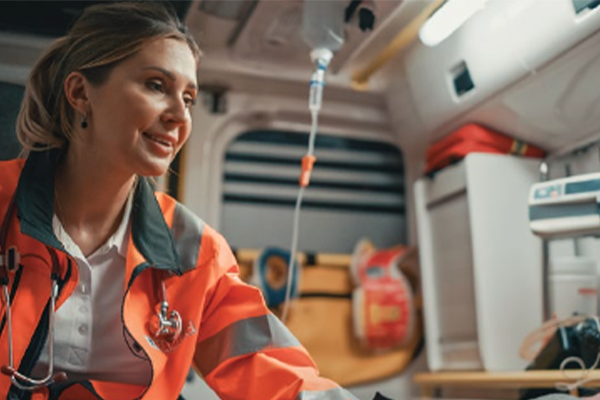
x=170 y=75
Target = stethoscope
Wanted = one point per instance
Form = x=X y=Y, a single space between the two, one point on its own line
x=165 y=326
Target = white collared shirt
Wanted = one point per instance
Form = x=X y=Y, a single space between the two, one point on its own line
x=88 y=331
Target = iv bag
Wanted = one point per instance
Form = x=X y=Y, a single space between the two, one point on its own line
x=323 y=24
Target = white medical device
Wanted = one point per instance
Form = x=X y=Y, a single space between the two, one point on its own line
x=565 y=207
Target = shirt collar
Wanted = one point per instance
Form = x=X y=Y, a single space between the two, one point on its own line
x=119 y=238
x=35 y=207
x=117 y=241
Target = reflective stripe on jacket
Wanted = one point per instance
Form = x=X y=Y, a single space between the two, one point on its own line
x=240 y=348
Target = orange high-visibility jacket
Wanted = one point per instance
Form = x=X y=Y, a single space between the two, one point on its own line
x=240 y=348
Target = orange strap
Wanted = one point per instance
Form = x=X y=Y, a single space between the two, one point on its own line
x=307 y=166
x=518 y=147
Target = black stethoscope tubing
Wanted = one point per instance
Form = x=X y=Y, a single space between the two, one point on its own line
x=9 y=259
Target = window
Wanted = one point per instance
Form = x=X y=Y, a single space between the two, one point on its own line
x=356 y=191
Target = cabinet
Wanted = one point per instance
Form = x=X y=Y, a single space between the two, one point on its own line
x=481 y=265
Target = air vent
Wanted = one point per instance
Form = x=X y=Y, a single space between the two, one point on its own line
x=584 y=5
x=462 y=79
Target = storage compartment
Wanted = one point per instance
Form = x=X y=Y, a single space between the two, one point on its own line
x=502 y=44
x=481 y=265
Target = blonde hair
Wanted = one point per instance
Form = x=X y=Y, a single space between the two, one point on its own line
x=100 y=39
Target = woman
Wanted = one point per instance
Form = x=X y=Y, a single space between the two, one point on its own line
x=142 y=288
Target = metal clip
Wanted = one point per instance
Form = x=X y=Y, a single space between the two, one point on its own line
x=13 y=258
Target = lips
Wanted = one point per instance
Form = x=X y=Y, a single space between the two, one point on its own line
x=163 y=140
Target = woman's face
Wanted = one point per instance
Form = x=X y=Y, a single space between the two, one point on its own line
x=140 y=117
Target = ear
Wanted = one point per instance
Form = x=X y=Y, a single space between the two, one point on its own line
x=76 y=91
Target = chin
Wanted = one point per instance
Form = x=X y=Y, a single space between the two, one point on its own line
x=153 y=170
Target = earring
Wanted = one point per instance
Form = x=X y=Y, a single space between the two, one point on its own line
x=84 y=122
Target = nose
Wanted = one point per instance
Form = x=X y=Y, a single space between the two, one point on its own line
x=176 y=113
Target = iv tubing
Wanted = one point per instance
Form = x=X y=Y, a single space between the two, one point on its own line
x=291 y=263
x=294 y=247
x=321 y=57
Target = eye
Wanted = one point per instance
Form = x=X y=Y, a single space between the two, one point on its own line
x=156 y=85
x=189 y=100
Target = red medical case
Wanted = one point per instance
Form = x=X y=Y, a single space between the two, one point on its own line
x=473 y=138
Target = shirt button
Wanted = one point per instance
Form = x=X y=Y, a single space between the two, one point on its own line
x=83 y=329
x=83 y=289
x=83 y=309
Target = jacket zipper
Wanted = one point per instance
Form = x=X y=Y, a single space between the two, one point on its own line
x=136 y=272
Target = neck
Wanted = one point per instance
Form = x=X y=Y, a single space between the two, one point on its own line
x=89 y=201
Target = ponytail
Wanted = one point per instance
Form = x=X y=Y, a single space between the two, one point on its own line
x=39 y=120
